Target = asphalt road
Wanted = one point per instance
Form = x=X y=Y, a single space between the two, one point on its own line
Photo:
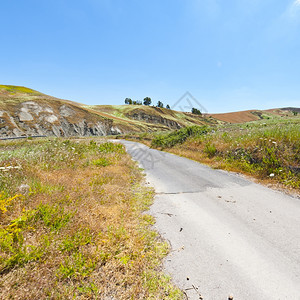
x=228 y=235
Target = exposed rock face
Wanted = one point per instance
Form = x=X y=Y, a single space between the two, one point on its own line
x=154 y=119
x=66 y=111
x=34 y=118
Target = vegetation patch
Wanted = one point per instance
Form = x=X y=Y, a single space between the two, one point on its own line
x=266 y=149
x=12 y=89
x=72 y=224
x=179 y=136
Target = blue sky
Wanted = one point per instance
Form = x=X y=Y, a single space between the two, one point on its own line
x=229 y=54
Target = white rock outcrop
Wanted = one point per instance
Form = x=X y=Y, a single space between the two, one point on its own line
x=33 y=118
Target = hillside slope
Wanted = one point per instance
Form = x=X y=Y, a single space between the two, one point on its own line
x=150 y=116
x=254 y=115
x=24 y=111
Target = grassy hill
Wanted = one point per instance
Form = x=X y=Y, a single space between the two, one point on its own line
x=24 y=111
x=255 y=115
x=151 y=117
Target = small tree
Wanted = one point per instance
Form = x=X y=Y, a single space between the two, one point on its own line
x=196 y=111
x=168 y=106
x=295 y=113
x=160 y=104
x=139 y=102
x=147 y=101
x=128 y=101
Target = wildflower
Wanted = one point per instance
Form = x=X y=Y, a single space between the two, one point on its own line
x=5 y=201
x=272 y=175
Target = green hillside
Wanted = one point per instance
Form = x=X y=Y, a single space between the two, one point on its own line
x=18 y=101
x=24 y=111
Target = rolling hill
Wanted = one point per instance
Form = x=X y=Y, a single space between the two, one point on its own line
x=254 y=115
x=26 y=112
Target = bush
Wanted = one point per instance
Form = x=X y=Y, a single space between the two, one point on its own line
x=196 y=111
x=111 y=148
x=101 y=162
x=210 y=150
x=179 y=136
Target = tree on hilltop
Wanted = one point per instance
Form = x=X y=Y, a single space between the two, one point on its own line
x=196 y=111
x=160 y=104
x=128 y=101
x=147 y=101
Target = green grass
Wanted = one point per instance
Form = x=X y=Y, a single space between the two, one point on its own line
x=126 y=112
x=168 y=140
x=267 y=149
x=78 y=229
x=12 y=89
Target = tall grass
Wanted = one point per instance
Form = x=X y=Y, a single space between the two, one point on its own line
x=265 y=149
x=71 y=224
x=171 y=139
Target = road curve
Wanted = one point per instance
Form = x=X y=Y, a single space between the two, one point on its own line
x=228 y=235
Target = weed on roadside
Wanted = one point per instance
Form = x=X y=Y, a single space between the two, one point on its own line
x=267 y=149
x=72 y=224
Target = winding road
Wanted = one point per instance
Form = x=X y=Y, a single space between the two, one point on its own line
x=229 y=236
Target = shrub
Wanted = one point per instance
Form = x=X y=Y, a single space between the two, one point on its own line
x=101 y=162
x=53 y=217
x=196 y=111
x=179 y=136
x=210 y=150
x=111 y=148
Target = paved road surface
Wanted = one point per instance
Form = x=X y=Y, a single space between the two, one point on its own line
x=228 y=235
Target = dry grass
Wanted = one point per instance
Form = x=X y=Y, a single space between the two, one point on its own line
x=127 y=118
x=268 y=150
x=151 y=118
x=252 y=115
x=236 y=117
x=71 y=224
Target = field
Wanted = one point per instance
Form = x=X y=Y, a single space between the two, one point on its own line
x=72 y=224
x=254 y=115
x=268 y=149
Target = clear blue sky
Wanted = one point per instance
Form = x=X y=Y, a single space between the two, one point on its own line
x=229 y=54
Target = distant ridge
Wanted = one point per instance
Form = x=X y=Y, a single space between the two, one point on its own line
x=291 y=109
x=254 y=115
x=27 y=112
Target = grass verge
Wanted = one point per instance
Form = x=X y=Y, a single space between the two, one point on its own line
x=268 y=150
x=72 y=224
